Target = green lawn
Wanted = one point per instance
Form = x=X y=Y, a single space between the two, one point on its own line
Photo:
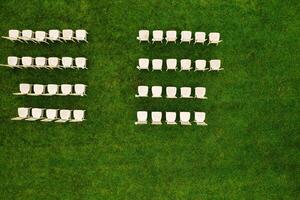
x=249 y=150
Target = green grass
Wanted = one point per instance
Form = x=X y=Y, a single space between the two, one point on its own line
x=249 y=150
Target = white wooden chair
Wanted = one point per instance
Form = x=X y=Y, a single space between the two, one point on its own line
x=36 y=114
x=185 y=65
x=215 y=65
x=171 y=92
x=67 y=62
x=38 y=90
x=78 y=116
x=13 y=35
x=53 y=63
x=157 y=64
x=12 y=62
x=158 y=36
x=156 y=91
x=214 y=38
x=25 y=89
x=23 y=113
x=143 y=36
x=27 y=61
x=27 y=35
x=171 y=118
x=79 y=90
x=185 y=92
x=171 y=36
x=81 y=35
x=141 y=117
x=171 y=64
x=200 y=93
x=142 y=91
x=200 y=37
x=200 y=118
x=66 y=89
x=143 y=64
x=40 y=36
x=54 y=35
x=52 y=89
x=40 y=62
x=186 y=36
x=51 y=115
x=81 y=63
x=185 y=118
x=156 y=118
x=200 y=65
x=67 y=35
x=64 y=116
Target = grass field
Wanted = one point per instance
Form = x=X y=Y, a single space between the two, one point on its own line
x=249 y=150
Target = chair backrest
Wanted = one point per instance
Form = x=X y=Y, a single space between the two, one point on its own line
x=79 y=89
x=170 y=117
x=51 y=113
x=144 y=63
x=52 y=89
x=142 y=116
x=80 y=62
x=185 y=116
x=171 y=63
x=143 y=34
x=200 y=64
x=215 y=64
x=156 y=91
x=158 y=34
x=199 y=117
x=53 y=61
x=171 y=34
x=23 y=112
x=157 y=63
x=78 y=114
x=171 y=91
x=25 y=88
x=67 y=61
x=156 y=116
x=12 y=60
x=40 y=61
x=200 y=92
x=143 y=90
x=66 y=89
x=185 y=91
x=65 y=114
x=38 y=89
x=37 y=113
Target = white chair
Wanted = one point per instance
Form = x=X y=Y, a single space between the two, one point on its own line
x=51 y=115
x=141 y=117
x=143 y=36
x=200 y=93
x=171 y=36
x=143 y=64
x=171 y=92
x=200 y=37
x=13 y=35
x=142 y=91
x=64 y=116
x=200 y=65
x=27 y=35
x=67 y=35
x=158 y=36
x=185 y=65
x=12 y=62
x=66 y=89
x=186 y=36
x=81 y=35
x=171 y=118
x=41 y=36
x=38 y=90
x=215 y=65
x=80 y=63
x=156 y=91
x=23 y=113
x=185 y=92
x=36 y=114
x=54 y=35
x=25 y=88
x=41 y=62
x=185 y=118
x=53 y=63
x=78 y=116
x=157 y=64
x=52 y=89
x=200 y=118
x=67 y=62
x=27 y=61
x=156 y=118
x=171 y=64
x=79 y=90
x=214 y=38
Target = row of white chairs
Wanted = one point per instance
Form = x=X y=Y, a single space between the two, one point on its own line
x=186 y=36
x=51 y=89
x=49 y=115
x=43 y=36
x=46 y=63
x=170 y=118
x=185 y=64
x=171 y=92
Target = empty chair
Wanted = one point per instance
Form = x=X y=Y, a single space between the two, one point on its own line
x=40 y=62
x=171 y=64
x=171 y=118
x=171 y=92
x=36 y=114
x=27 y=61
x=156 y=91
x=81 y=35
x=143 y=36
x=40 y=36
x=157 y=64
x=78 y=116
x=141 y=117
x=143 y=64
x=23 y=113
x=51 y=115
x=54 y=35
x=158 y=36
x=142 y=91
x=53 y=63
x=64 y=116
x=13 y=35
x=38 y=90
x=200 y=65
x=67 y=35
x=67 y=62
x=12 y=61
x=200 y=37
x=200 y=92
x=66 y=89
x=199 y=118
x=27 y=35
x=156 y=118
x=185 y=92
x=25 y=88
x=52 y=89
x=185 y=118
x=79 y=90
x=80 y=63
x=215 y=65
x=171 y=36
x=214 y=38
x=185 y=65
x=186 y=36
